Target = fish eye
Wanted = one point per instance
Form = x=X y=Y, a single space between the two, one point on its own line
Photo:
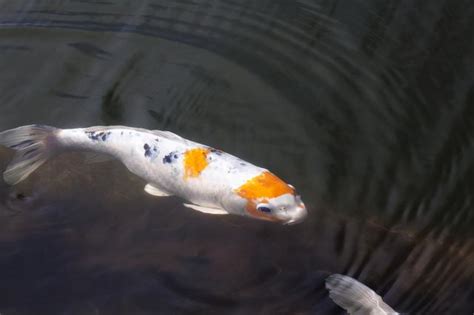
x=264 y=209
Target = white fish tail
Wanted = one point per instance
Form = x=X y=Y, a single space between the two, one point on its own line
x=34 y=144
x=355 y=297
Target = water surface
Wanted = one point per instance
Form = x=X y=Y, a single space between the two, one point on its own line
x=365 y=106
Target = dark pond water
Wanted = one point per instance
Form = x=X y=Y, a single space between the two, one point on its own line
x=367 y=107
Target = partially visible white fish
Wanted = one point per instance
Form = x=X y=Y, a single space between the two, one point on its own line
x=355 y=297
x=210 y=180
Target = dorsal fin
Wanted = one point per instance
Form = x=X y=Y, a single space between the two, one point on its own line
x=168 y=135
x=161 y=133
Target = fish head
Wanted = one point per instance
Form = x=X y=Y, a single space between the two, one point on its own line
x=270 y=198
x=287 y=208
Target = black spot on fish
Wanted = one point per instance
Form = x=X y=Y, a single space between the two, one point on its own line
x=150 y=152
x=243 y=164
x=98 y=136
x=92 y=135
x=218 y=152
x=169 y=158
x=147 y=150
x=121 y=133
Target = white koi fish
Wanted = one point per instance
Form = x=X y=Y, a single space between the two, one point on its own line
x=355 y=297
x=210 y=180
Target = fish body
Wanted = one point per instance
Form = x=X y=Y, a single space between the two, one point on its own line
x=210 y=180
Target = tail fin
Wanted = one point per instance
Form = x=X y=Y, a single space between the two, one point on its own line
x=355 y=297
x=34 y=145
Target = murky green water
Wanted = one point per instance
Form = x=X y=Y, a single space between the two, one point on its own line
x=365 y=106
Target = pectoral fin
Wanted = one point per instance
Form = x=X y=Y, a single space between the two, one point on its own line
x=152 y=190
x=355 y=297
x=206 y=209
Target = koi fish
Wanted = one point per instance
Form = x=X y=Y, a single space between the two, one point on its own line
x=210 y=180
x=355 y=297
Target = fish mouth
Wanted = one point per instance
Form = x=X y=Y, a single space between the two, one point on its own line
x=297 y=217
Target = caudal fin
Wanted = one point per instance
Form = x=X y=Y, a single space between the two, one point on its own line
x=34 y=145
x=355 y=297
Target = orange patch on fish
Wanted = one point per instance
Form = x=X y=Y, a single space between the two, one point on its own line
x=261 y=188
x=195 y=161
x=265 y=185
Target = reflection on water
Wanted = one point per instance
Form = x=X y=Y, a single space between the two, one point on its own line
x=364 y=106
